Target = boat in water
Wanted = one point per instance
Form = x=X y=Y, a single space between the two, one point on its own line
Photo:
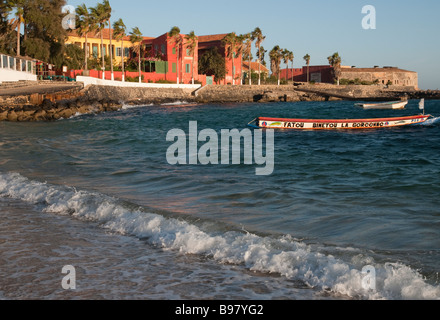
x=344 y=124
x=393 y=105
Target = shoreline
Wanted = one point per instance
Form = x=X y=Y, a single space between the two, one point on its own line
x=42 y=101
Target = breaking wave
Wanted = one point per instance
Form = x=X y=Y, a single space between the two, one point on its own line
x=285 y=256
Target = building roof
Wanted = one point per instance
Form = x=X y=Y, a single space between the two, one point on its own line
x=212 y=38
x=384 y=69
x=97 y=35
x=254 y=66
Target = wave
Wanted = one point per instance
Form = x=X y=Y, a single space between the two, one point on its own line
x=283 y=256
x=431 y=122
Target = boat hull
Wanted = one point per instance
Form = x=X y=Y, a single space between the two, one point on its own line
x=384 y=106
x=347 y=124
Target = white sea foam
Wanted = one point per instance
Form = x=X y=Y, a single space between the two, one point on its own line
x=286 y=256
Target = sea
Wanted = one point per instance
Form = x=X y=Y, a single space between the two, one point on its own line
x=91 y=208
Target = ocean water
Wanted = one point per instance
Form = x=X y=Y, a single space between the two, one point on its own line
x=96 y=192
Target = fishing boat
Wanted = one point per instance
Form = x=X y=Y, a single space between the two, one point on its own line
x=321 y=124
x=394 y=105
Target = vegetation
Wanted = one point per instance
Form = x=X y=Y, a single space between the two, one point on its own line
x=276 y=55
x=357 y=81
x=212 y=63
x=119 y=32
x=231 y=42
x=335 y=61
x=191 y=45
x=258 y=37
x=136 y=41
x=177 y=41
x=307 y=60
x=85 y=23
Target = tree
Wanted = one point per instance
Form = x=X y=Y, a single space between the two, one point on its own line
x=74 y=57
x=44 y=35
x=19 y=14
x=136 y=41
x=287 y=57
x=5 y=34
x=101 y=14
x=276 y=55
x=177 y=41
x=212 y=63
x=119 y=34
x=247 y=53
x=85 y=23
x=191 y=45
x=231 y=42
x=307 y=60
x=335 y=61
x=108 y=13
x=240 y=52
x=262 y=56
x=258 y=37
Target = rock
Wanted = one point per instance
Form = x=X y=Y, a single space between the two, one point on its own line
x=65 y=113
x=3 y=115
x=12 y=116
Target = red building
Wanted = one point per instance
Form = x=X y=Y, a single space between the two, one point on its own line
x=233 y=66
x=164 y=58
x=317 y=74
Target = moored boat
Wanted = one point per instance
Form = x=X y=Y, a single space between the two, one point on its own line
x=395 y=105
x=328 y=124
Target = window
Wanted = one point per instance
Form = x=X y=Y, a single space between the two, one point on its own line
x=118 y=52
x=187 y=68
x=163 y=48
x=174 y=50
x=95 y=50
x=127 y=52
x=188 y=52
x=174 y=68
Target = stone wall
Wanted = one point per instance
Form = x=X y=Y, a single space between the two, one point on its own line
x=395 y=76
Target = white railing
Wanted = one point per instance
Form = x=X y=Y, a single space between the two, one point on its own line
x=16 y=69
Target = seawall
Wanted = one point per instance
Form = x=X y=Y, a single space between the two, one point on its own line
x=48 y=102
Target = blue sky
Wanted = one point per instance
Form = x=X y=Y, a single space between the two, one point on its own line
x=406 y=35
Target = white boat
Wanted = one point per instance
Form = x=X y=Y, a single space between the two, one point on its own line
x=395 y=105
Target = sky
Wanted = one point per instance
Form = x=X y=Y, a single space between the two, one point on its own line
x=406 y=34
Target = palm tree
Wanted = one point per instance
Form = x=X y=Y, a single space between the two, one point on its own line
x=191 y=45
x=247 y=52
x=176 y=39
x=231 y=41
x=276 y=55
x=307 y=59
x=286 y=56
x=85 y=23
x=108 y=14
x=335 y=61
x=258 y=37
x=119 y=34
x=100 y=14
x=19 y=14
x=291 y=58
x=240 y=51
x=136 y=37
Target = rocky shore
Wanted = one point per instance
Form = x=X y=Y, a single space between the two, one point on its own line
x=43 y=103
